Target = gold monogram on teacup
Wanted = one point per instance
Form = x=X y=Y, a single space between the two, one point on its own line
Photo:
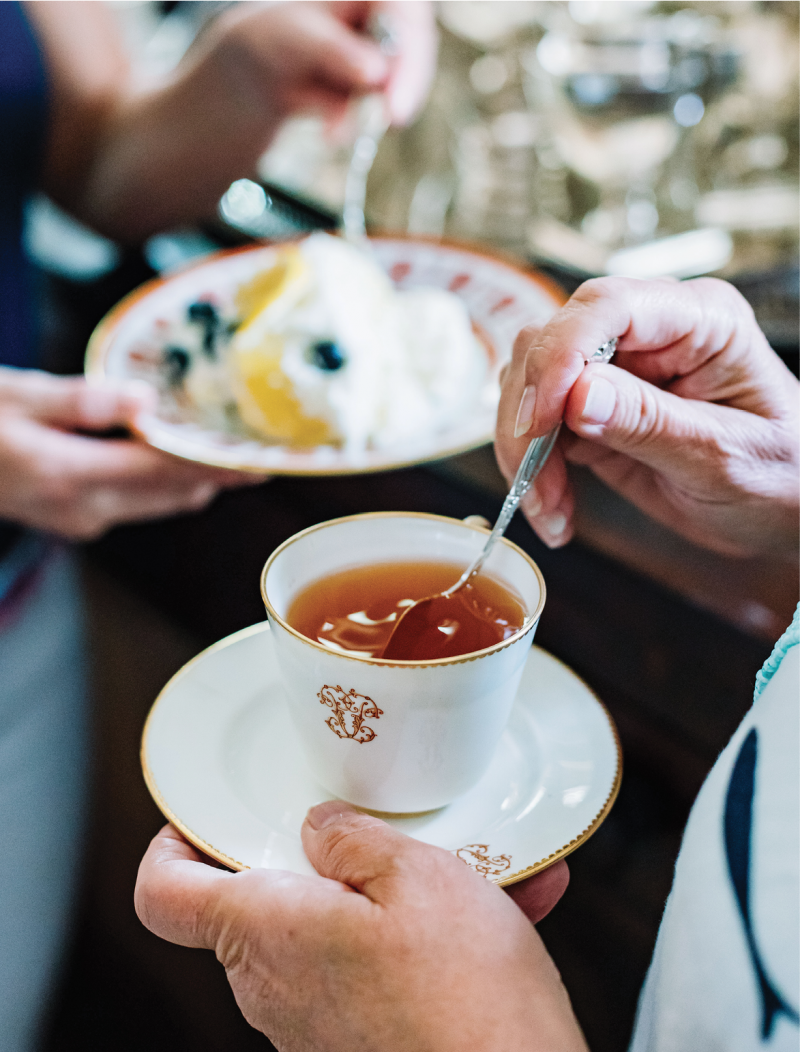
x=477 y=857
x=350 y=710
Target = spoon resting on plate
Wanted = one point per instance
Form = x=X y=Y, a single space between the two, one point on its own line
x=426 y=615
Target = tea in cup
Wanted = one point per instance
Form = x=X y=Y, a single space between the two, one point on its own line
x=398 y=736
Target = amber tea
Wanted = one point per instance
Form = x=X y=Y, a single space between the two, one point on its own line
x=356 y=610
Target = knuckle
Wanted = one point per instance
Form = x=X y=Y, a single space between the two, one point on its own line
x=74 y=510
x=726 y=297
x=596 y=289
x=44 y=385
x=80 y=525
x=642 y=416
x=90 y=530
x=716 y=287
x=771 y=448
x=57 y=486
x=201 y=495
x=342 y=838
x=523 y=342
x=68 y=495
x=88 y=402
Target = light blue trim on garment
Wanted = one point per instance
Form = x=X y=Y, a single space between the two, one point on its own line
x=29 y=550
x=790 y=638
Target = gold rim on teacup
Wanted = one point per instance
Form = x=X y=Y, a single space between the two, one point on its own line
x=529 y=624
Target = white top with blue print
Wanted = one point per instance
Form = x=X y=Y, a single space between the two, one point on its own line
x=724 y=976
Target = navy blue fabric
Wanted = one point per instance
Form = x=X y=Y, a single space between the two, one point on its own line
x=738 y=826
x=23 y=119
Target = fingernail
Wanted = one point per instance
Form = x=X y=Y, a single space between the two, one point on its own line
x=600 y=402
x=402 y=103
x=330 y=811
x=525 y=412
x=553 y=526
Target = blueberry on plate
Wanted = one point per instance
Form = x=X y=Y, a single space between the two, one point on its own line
x=205 y=315
x=203 y=311
x=327 y=355
x=176 y=363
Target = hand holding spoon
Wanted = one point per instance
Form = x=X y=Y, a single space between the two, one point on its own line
x=429 y=614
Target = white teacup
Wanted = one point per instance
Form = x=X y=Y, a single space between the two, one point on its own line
x=396 y=736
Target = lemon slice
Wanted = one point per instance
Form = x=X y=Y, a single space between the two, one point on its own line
x=267 y=402
x=264 y=393
x=256 y=295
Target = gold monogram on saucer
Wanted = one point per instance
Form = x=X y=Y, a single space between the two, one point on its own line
x=477 y=857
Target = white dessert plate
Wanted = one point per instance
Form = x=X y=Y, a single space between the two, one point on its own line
x=222 y=762
x=500 y=298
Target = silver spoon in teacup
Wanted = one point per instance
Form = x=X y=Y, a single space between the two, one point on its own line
x=420 y=616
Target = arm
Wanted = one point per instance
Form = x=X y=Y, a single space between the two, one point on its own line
x=695 y=422
x=396 y=947
x=130 y=162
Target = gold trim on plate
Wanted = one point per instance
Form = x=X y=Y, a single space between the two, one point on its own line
x=149 y=777
x=602 y=814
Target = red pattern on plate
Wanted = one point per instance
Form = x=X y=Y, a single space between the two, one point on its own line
x=506 y=301
x=400 y=271
x=459 y=281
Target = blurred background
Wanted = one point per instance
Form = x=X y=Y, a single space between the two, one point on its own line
x=626 y=137
x=582 y=138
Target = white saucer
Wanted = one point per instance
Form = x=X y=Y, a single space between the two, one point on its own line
x=221 y=760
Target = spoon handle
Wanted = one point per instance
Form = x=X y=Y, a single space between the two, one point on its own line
x=532 y=463
x=372 y=126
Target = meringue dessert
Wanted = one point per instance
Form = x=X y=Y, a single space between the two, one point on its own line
x=321 y=349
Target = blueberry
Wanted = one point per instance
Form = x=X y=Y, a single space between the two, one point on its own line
x=176 y=363
x=206 y=316
x=203 y=311
x=327 y=355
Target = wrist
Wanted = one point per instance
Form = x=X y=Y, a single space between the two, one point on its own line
x=171 y=153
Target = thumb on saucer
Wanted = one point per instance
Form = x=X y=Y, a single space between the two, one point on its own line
x=539 y=894
x=360 y=850
x=176 y=890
